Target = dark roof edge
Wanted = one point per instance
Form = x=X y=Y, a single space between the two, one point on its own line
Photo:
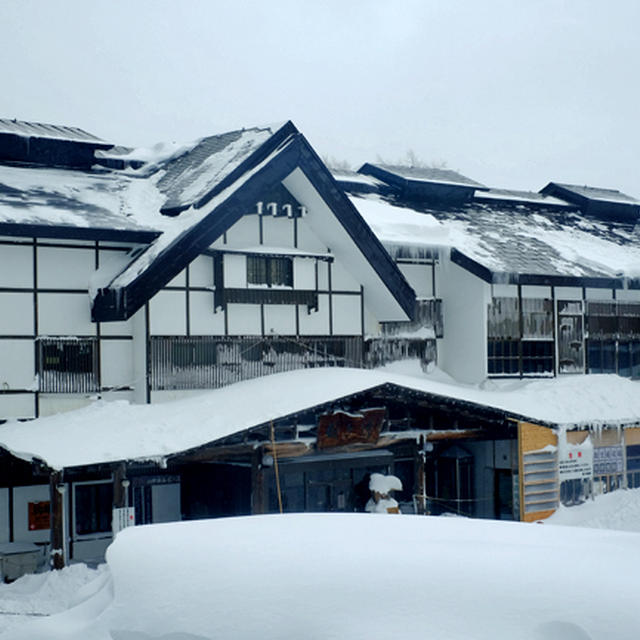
x=470 y=265
x=592 y=282
x=270 y=145
x=501 y=277
x=76 y=233
x=357 y=228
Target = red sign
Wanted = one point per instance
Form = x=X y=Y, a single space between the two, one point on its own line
x=341 y=428
x=39 y=515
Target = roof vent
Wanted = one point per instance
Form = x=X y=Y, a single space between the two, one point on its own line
x=48 y=144
x=605 y=204
x=425 y=184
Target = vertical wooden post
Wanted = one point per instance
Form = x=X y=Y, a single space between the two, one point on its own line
x=419 y=488
x=257 y=483
x=119 y=490
x=57 y=559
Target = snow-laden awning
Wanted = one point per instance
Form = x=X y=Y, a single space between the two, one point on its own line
x=111 y=431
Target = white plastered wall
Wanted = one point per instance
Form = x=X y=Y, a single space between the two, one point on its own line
x=65 y=268
x=463 y=353
x=420 y=277
x=330 y=231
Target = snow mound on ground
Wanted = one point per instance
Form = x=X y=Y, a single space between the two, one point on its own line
x=354 y=576
x=44 y=593
x=617 y=510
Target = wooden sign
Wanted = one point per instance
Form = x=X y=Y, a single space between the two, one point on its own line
x=39 y=515
x=341 y=428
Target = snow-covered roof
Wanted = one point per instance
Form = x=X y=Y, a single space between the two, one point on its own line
x=508 y=239
x=112 y=431
x=66 y=198
x=49 y=132
x=190 y=177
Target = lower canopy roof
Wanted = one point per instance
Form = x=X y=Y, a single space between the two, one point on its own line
x=107 y=432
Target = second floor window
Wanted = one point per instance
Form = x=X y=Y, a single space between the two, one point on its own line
x=270 y=271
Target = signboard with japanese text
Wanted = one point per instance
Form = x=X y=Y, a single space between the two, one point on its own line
x=575 y=462
x=122 y=518
x=341 y=428
x=608 y=460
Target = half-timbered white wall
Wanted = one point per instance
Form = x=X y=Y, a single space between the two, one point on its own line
x=44 y=292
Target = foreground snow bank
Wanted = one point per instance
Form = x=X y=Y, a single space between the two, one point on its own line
x=356 y=576
x=617 y=510
x=43 y=594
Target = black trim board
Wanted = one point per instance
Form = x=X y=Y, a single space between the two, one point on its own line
x=359 y=231
x=76 y=233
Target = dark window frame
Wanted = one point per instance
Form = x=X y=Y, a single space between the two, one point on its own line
x=92 y=509
x=272 y=271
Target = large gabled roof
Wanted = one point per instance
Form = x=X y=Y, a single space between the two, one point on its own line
x=210 y=186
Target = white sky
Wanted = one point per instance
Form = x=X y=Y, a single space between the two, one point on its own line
x=510 y=93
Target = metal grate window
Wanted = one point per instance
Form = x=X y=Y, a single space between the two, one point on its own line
x=205 y=362
x=68 y=365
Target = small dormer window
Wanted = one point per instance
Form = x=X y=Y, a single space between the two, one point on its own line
x=270 y=271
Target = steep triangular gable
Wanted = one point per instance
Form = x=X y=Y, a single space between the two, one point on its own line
x=287 y=158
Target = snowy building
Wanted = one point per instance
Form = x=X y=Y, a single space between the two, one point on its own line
x=150 y=276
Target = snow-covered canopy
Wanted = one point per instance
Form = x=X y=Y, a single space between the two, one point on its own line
x=112 y=431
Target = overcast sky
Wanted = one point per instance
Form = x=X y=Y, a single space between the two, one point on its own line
x=512 y=93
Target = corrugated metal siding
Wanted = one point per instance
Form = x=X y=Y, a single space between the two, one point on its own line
x=68 y=365
x=202 y=362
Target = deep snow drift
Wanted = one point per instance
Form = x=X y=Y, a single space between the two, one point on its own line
x=357 y=576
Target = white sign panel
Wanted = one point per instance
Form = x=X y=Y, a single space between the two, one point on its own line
x=122 y=518
x=575 y=461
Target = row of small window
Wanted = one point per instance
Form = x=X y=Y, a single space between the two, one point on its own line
x=536 y=357
x=614 y=356
x=510 y=357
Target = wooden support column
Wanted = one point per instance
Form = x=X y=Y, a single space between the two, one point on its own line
x=419 y=488
x=58 y=529
x=257 y=483
x=120 y=487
